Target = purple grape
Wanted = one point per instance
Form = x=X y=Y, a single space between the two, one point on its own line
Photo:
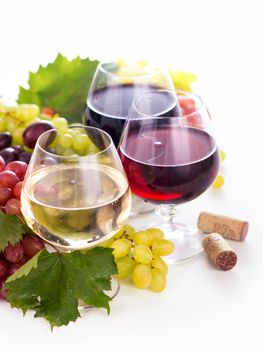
x=8 y=154
x=18 y=148
x=24 y=156
x=5 y=139
x=33 y=131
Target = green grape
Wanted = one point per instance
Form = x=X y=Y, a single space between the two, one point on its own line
x=142 y=254
x=26 y=124
x=58 y=149
x=125 y=266
x=65 y=140
x=183 y=80
x=26 y=112
x=222 y=155
x=143 y=237
x=79 y=220
x=158 y=263
x=80 y=142
x=141 y=276
x=3 y=125
x=93 y=149
x=219 y=181
x=17 y=136
x=126 y=231
x=156 y=233
x=158 y=280
x=11 y=125
x=65 y=193
x=65 y=130
x=121 y=247
x=59 y=122
x=162 y=247
x=69 y=152
x=54 y=215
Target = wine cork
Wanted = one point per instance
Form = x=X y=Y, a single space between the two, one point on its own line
x=227 y=227
x=219 y=251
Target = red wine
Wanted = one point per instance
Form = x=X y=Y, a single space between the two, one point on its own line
x=108 y=107
x=170 y=164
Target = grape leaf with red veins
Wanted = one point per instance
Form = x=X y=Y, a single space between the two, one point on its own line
x=62 y=86
x=57 y=281
x=12 y=230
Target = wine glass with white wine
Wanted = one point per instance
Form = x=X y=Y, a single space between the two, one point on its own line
x=75 y=194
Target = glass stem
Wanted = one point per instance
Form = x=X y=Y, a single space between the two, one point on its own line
x=168 y=213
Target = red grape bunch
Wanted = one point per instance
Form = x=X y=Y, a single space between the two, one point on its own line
x=11 y=182
x=15 y=256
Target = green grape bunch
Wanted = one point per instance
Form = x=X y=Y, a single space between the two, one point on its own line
x=138 y=256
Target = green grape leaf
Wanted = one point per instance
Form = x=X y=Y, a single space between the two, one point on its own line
x=12 y=230
x=56 y=282
x=62 y=85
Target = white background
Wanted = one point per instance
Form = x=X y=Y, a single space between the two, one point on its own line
x=221 y=41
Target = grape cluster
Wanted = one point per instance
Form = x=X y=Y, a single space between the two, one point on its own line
x=11 y=182
x=138 y=254
x=72 y=141
x=20 y=127
x=15 y=120
x=15 y=256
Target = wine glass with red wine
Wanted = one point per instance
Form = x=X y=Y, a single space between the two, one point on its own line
x=170 y=160
x=112 y=91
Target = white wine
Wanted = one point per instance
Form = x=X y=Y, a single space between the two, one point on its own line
x=76 y=206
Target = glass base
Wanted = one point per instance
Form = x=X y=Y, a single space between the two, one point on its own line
x=115 y=288
x=187 y=241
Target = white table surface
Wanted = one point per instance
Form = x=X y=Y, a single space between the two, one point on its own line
x=202 y=307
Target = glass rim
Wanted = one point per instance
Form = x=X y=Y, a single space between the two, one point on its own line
x=184 y=92
x=75 y=125
x=148 y=74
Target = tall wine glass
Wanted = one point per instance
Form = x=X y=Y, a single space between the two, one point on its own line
x=170 y=161
x=111 y=94
x=75 y=192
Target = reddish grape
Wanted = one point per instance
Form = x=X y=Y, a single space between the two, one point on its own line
x=17 y=189
x=12 y=207
x=44 y=190
x=3 y=268
x=187 y=105
x=14 y=253
x=18 y=167
x=3 y=291
x=5 y=194
x=8 y=179
x=32 y=245
x=14 y=267
x=48 y=111
x=2 y=164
